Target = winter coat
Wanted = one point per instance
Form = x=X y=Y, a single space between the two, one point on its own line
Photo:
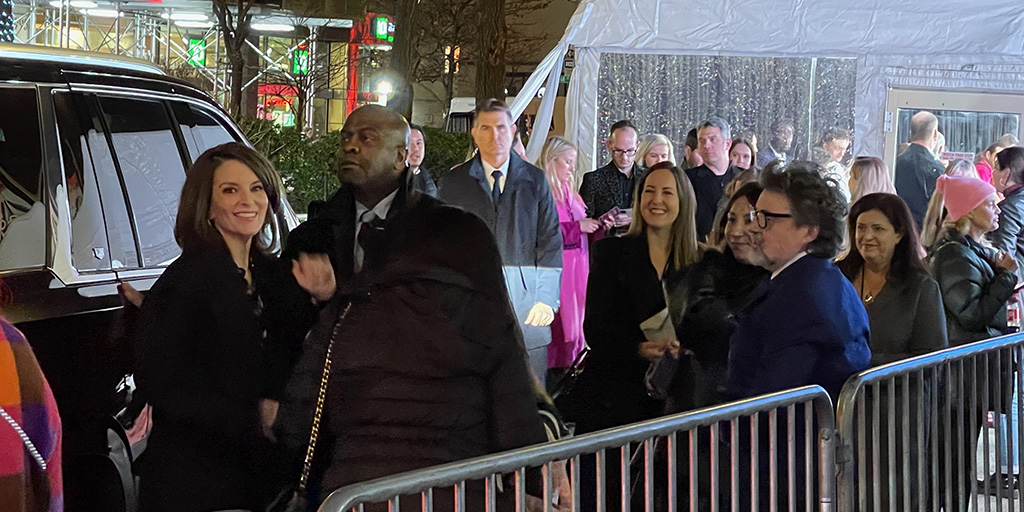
x=623 y=291
x=806 y=326
x=916 y=172
x=1009 y=236
x=567 y=338
x=974 y=291
x=525 y=225
x=703 y=310
x=428 y=365
x=201 y=367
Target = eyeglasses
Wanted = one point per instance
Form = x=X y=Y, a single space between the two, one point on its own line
x=762 y=216
x=620 y=152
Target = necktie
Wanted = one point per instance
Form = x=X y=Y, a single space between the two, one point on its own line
x=496 y=189
x=370 y=231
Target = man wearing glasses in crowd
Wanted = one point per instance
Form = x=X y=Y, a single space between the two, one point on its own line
x=609 y=190
x=804 y=326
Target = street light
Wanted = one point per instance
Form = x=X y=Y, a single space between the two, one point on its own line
x=384 y=90
x=103 y=13
x=272 y=27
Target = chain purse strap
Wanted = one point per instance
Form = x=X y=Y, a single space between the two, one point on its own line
x=29 y=445
x=321 y=397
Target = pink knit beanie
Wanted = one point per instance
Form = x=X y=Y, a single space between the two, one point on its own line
x=962 y=194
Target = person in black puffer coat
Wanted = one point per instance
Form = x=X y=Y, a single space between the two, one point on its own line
x=975 y=281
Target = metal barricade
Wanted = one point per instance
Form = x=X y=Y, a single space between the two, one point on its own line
x=733 y=459
x=908 y=431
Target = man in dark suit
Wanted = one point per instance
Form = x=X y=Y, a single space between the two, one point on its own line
x=514 y=200
x=709 y=180
x=918 y=168
x=417 y=147
x=613 y=185
x=424 y=341
x=807 y=324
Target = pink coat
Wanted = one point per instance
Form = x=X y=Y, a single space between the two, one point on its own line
x=567 y=329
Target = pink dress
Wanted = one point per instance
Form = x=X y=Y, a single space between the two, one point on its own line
x=984 y=171
x=567 y=329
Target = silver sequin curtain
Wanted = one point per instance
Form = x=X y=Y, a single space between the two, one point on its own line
x=670 y=94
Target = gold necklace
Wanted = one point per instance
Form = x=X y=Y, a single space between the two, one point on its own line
x=867 y=296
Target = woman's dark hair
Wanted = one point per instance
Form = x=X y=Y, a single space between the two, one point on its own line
x=906 y=258
x=1012 y=159
x=193 y=229
x=815 y=201
x=750 y=191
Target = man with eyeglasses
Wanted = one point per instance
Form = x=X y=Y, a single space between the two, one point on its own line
x=612 y=186
x=714 y=138
x=806 y=325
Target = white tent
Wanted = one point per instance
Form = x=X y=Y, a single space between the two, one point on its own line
x=934 y=44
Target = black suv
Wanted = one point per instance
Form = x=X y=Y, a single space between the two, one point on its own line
x=93 y=153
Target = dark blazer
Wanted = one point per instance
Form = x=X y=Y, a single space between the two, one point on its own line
x=806 y=326
x=708 y=188
x=606 y=188
x=525 y=225
x=623 y=290
x=1009 y=236
x=916 y=172
x=974 y=291
x=907 y=319
x=201 y=354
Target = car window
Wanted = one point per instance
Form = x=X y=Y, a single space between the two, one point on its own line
x=152 y=170
x=200 y=128
x=22 y=214
x=93 y=182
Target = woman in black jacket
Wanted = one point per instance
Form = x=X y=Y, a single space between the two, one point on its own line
x=714 y=290
x=976 y=281
x=1008 y=179
x=627 y=284
x=203 y=347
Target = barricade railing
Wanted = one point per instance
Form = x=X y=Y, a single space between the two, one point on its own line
x=908 y=431
x=734 y=460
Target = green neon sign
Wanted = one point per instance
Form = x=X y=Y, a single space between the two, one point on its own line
x=380 y=27
x=300 y=62
x=197 y=52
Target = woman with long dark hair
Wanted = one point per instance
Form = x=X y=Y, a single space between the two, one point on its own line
x=203 y=342
x=885 y=266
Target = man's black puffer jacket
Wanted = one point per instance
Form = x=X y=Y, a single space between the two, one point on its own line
x=974 y=291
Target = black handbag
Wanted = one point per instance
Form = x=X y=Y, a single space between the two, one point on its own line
x=293 y=498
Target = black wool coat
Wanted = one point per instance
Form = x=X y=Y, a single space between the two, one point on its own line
x=203 y=355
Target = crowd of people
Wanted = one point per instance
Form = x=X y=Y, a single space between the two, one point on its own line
x=408 y=324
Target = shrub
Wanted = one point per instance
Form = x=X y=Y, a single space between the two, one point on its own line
x=443 y=151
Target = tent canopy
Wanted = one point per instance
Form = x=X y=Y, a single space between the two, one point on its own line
x=913 y=43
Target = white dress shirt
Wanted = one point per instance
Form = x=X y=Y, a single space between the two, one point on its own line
x=381 y=211
x=792 y=261
x=489 y=170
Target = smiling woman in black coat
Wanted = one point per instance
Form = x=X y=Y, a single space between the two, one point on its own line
x=202 y=345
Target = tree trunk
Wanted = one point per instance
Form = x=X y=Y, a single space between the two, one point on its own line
x=401 y=58
x=237 y=81
x=490 y=65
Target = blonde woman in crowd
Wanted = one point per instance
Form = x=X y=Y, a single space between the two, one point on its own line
x=869 y=175
x=935 y=215
x=558 y=160
x=653 y=149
